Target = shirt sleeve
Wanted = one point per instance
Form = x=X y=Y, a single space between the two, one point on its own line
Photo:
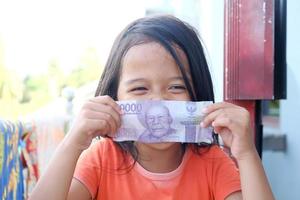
x=88 y=169
x=226 y=177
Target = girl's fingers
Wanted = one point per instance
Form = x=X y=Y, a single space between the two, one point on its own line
x=211 y=117
x=235 y=120
x=217 y=106
x=222 y=122
x=221 y=130
x=108 y=110
x=109 y=119
x=100 y=127
x=107 y=100
x=227 y=112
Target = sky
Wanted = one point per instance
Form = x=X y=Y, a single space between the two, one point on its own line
x=35 y=32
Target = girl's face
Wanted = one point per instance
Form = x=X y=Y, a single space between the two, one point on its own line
x=149 y=72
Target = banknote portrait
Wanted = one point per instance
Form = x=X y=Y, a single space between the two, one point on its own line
x=157 y=121
x=153 y=121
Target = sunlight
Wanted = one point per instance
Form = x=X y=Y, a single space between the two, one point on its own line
x=35 y=32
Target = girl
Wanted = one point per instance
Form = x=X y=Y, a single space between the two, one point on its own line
x=154 y=58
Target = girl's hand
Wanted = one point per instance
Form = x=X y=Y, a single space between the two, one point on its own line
x=232 y=123
x=99 y=116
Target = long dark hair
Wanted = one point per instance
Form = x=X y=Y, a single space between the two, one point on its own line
x=171 y=33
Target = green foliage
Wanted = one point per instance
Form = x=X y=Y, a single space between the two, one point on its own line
x=21 y=97
x=274 y=106
x=87 y=70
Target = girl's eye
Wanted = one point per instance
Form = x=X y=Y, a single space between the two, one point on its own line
x=138 y=90
x=177 y=88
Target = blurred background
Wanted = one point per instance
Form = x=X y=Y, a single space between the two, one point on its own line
x=52 y=54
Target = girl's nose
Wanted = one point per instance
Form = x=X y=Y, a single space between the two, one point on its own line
x=158 y=96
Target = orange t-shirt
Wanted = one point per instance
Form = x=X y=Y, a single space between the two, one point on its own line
x=103 y=170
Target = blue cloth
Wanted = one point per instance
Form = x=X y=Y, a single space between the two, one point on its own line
x=11 y=175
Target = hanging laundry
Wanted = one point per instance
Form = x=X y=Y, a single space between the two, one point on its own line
x=11 y=175
x=30 y=160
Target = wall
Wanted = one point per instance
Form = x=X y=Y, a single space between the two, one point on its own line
x=211 y=28
x=283 y=168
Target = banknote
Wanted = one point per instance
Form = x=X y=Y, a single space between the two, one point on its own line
x=154 y=121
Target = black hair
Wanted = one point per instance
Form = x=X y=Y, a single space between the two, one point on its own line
x=170 y=33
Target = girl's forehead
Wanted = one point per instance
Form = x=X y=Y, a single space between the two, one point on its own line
x=145 y=50
x=154 y=52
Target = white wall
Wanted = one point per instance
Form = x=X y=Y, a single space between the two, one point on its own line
x=211 y=28
x=283 y=169
x=208 y=18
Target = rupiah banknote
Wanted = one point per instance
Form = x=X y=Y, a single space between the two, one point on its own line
x=154 y=121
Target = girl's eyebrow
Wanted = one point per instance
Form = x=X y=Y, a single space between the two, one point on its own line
x=181 y=78
x=128 y=82
x=131 y=81
x=176 y=78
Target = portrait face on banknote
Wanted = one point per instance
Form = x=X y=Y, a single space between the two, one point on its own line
x=158 y=120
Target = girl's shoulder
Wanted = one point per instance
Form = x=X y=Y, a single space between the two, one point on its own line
x=212 y=153
x=103 y=145
x=211 y=161
x=104 y=152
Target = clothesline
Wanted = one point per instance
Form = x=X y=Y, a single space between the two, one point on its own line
x=25 y=149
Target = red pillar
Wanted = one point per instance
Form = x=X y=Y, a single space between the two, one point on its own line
x=249 y=57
